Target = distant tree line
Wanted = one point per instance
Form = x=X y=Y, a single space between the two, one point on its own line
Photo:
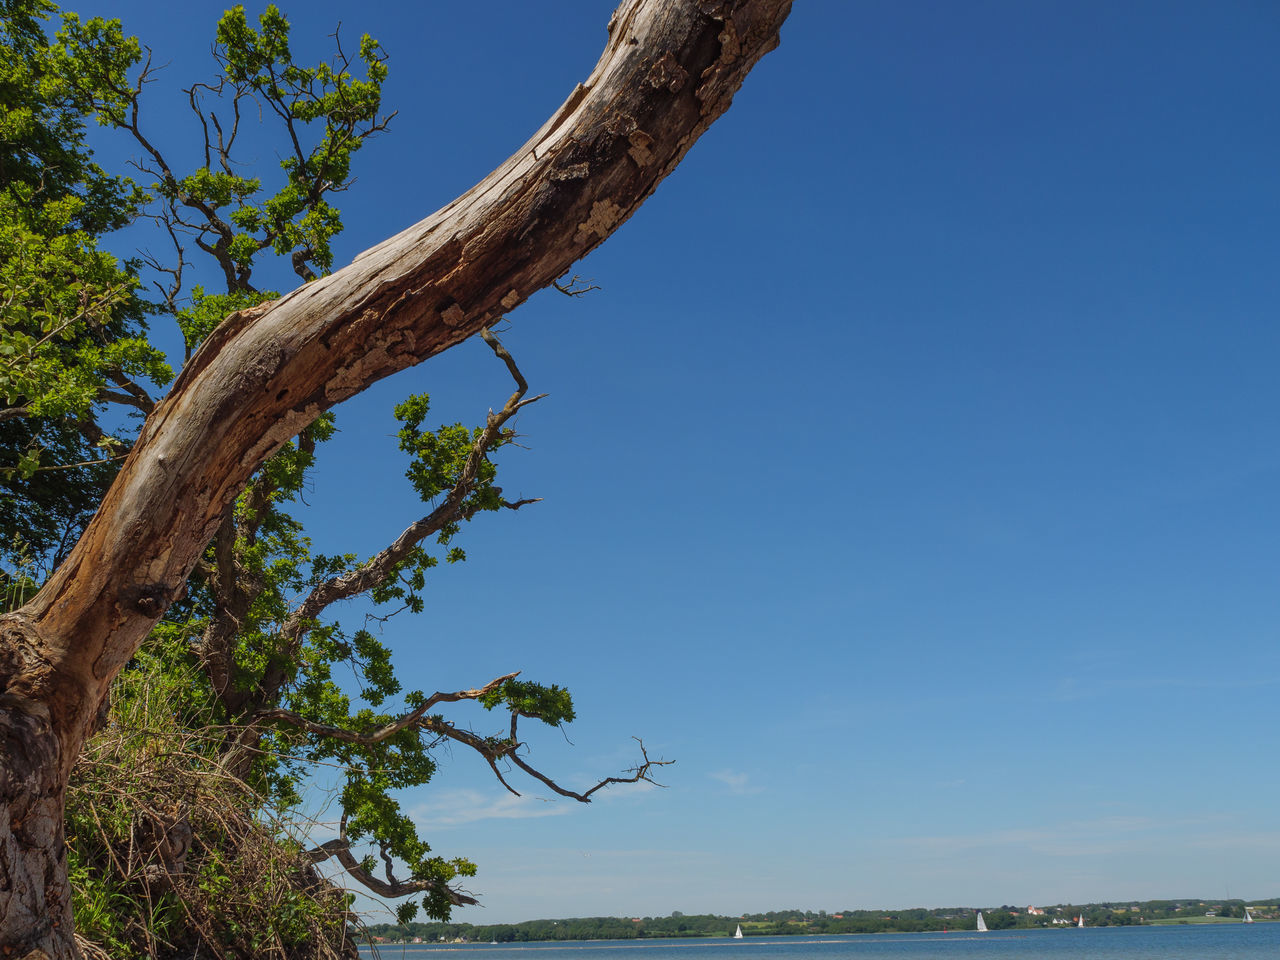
x=790 y=922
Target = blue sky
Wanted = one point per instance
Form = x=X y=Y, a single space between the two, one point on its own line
x=910 y=480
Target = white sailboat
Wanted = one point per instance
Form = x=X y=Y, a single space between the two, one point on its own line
x=1080 y=920
x=1248 y=917
x=982 y=924
x=737 y=934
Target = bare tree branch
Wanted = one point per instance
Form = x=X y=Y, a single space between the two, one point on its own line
x=386 y=730
x=169 y=293
x=83 y=463
x=575 y=286
x=638 y=773
x=133 y=395
x=494 y=750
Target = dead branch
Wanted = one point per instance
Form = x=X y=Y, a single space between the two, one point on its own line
x=52 y=468
x=494 y=750
x=386 y=730
x=575 y=286
x=637 y=773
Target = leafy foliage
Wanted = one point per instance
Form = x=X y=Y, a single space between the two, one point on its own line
x=326 y=112
x=72 y=337
x=169 y=855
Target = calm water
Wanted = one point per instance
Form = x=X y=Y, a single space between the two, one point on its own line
x=1234 y=941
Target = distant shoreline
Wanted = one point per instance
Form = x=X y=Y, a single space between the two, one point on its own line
x=822 y=923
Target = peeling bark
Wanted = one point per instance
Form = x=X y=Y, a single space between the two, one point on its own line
x=670 y=68
x=35 y=900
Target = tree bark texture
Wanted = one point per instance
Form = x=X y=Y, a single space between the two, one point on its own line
x=669 y=69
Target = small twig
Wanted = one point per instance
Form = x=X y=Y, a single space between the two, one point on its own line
x=84 y=463
x=576 y=286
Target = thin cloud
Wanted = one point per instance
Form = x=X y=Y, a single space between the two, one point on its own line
x=1250 y=841
x=738 y=783
x=1070 y=839
x=1071 y=689
x=624 y=791
x=467 y=806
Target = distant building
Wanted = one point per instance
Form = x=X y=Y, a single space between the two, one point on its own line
x=1035 y=911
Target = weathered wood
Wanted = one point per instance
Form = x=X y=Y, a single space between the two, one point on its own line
x=670 y=68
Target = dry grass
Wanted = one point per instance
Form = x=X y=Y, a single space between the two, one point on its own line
x=172 y=857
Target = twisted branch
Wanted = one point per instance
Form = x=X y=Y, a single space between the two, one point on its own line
x=386 y=730
x=339 y=848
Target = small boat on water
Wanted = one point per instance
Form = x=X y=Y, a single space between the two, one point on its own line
x=1248 y=917
x=1080 y=920
x=737 y=934
x=982 y=924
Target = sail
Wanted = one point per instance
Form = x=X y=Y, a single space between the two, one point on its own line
x=737 y=934
x=1248 y=917
x=982 y=924
x=1080 y=921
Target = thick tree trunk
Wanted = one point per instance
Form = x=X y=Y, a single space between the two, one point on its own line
x=35 y=899
x=43 y=720
x=34 y=894
x=669 y=69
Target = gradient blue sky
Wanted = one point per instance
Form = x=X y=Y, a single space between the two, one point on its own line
x=911 y=480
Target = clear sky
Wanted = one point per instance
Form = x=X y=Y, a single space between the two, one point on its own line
x=911 y=480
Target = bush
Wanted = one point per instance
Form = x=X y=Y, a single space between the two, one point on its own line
x=172 y=857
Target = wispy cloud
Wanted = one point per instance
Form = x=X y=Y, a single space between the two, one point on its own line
x=1071 y=689
x=467 y=806
x=738 y=783
x=624 y=791
x=1068 y=839
x=1247 y=681
x=1249 y=841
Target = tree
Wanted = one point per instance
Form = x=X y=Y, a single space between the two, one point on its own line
x=257 y=669
x=267 y=372
x=238 y=661
x=238 y=683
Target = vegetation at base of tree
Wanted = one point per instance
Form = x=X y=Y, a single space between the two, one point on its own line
x=809 y=922
x=246 y=889
x=184 y=828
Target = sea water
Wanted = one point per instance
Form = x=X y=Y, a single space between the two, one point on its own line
x=1204 y=941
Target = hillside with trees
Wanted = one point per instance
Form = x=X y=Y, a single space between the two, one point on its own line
x=824 y=923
